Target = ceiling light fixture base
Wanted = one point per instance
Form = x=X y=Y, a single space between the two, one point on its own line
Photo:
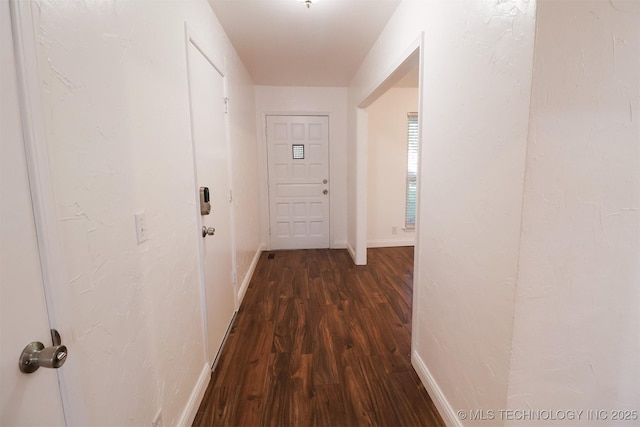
x=308 y=3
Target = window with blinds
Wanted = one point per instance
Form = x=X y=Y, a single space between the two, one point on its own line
x=412 y=171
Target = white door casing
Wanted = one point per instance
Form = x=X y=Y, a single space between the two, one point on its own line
x=25 y=399
x=298 y=170
x=211 y=157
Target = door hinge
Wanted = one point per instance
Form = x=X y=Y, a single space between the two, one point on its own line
x=235 y=278
x=269 y=231
x=226 y=105
x=230 y=196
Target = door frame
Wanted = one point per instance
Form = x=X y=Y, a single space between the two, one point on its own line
x=192 y=39
x=264 y=170
x=414 y=52
x=50 y=245
x=412 y=56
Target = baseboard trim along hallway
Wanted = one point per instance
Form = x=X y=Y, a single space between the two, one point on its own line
x=190 y=411
x=247 y=277
x=444 y=408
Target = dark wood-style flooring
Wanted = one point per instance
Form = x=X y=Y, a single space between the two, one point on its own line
x=319 y=341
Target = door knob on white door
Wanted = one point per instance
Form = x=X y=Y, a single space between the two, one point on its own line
x=208 y=231
x=325 y=191
x=36 y=355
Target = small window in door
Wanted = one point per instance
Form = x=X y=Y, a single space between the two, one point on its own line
x=298 y=151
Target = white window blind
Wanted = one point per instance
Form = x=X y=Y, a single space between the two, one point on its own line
x=412 y=171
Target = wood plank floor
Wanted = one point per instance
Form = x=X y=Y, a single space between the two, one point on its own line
x=319 y=341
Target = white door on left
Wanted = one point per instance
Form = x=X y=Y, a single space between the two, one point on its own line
x=207 y=98
x=25 y=399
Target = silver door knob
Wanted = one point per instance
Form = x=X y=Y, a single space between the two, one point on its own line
x=324 y=181
x=325 y=191
x=208 y=231
x=35 y=355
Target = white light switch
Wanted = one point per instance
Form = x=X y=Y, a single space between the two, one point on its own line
x=141 y=227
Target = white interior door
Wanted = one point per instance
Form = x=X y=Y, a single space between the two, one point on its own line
x=206 y=92
x=25 y=399
x=298 y=163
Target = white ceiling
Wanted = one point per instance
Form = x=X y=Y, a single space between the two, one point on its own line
x=282 y=43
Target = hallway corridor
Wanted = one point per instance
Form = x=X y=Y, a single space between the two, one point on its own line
x=319 y=341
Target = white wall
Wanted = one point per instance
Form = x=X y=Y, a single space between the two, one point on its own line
x=116 y=105
x=387 y=168
x=475 y=82
x=331 y=101
x=576 y=341
x=245 y=171
x=568 y=235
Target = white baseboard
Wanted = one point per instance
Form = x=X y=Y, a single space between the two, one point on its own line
x=352 y=252
x=191 y=410
x=389 y=243
x=247 y=277
x=444 y=408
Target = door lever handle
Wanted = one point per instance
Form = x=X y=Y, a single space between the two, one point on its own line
x=208 y=231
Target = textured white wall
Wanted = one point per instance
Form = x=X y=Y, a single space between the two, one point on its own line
x=387 y=167
x=475 y=107
x=576 y=338
x=310 y=100
x=116 y=104
x=245 y=170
